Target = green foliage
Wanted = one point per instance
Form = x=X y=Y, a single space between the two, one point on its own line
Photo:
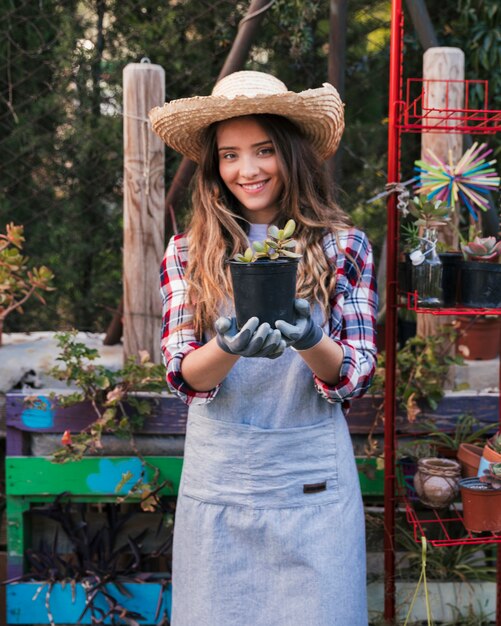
x=421 y=370
x=112 y=394
x=427 y=213
x=278 y=244
x=17 y=282
x=460 y=563
x=495 y=443
x=468 y=429
x=410 y=236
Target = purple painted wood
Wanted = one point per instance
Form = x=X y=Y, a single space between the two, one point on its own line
x=483 y=406
x=168 y=417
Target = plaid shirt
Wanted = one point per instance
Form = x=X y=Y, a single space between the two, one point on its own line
x=351 y=324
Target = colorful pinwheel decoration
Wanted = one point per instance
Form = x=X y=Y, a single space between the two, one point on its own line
x=468 y=182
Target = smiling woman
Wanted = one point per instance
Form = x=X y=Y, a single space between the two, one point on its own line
x=270 y=499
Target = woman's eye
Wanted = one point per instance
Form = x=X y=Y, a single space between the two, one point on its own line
x=266 y=151
x=229 y=155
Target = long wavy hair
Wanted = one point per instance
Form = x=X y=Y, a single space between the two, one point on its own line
x=217 y=230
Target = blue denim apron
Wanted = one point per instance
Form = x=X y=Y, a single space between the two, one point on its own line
x=269 y=527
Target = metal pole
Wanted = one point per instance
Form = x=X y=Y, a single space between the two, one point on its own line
x=395 y=85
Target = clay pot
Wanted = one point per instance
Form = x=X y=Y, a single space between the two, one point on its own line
x=478 y=338
x=437 y=481
x=469 y=456
x=481 y=506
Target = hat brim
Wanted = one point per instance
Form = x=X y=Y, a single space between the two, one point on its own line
x=319 y=113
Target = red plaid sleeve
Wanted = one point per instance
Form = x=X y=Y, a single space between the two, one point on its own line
x=177 y=342
x=353 y=314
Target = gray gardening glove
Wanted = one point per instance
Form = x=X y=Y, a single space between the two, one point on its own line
x=253 y=340
x=304 y=333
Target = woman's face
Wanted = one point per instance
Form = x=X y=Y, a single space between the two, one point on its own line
x=249 y=168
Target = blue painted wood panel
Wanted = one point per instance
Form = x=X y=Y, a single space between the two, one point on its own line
x=25 y=606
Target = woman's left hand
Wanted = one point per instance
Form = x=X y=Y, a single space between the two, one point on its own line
x=304 y=333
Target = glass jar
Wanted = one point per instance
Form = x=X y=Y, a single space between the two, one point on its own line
x=427 y=271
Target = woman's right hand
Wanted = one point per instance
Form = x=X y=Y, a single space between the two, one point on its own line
x=253 y=340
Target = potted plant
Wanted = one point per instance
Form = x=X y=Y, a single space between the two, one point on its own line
x=491 y=453
x=264 y=277
x=481 y=498
x=481 y=273
x=461 y=443
x=427 y=267
x=478 y=336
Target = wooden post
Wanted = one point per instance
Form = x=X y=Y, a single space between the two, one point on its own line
x=442 y=64
x=144 y=88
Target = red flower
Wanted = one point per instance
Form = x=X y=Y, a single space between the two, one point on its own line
x=66 y=438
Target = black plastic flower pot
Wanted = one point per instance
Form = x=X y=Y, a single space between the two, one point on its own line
x=264 y=289
x=480 y=284
x=451 y=267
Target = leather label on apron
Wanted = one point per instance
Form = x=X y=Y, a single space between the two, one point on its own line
x=315 y=487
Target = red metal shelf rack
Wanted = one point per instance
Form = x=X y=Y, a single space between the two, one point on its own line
x=417 y=114
x=444 y=529
x=412 y=299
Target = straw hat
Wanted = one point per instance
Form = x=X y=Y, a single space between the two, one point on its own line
x=317 y=112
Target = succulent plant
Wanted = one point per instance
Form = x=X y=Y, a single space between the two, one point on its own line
x=492 y=475
x=495 y=442
x=428 y=213
x=482 y=249
x=279 y=243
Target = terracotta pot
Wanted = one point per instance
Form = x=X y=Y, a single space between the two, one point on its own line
x=469 y=456
x=481 y=506
x=437 y=481
x=478 y=338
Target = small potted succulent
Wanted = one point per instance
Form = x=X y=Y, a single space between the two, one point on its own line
x=481 y=273
x=491 y=453
x=481 y=498
x=264 y=277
